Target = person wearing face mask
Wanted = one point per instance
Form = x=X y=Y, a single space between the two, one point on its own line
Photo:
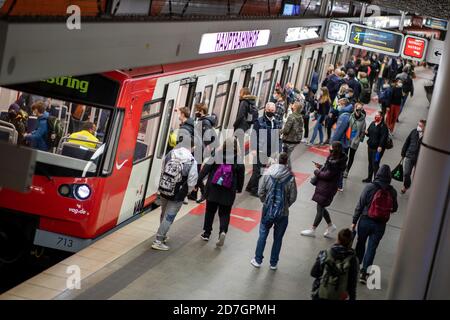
x=38 y=138
x=292 y=131
x=382 y=74
x=408 y=85
x=322 y=108
x=327 y=179
x=384 y=96
x=410 y=153
x=265 y=142
x=375 y=69
x=355 y=133
x=279 y=104
x=308 y=108
x=18 y=118
x=393 y=110
x=378 y=134
x=350 y=96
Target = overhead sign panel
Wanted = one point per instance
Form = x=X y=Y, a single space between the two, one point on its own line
x=235 y=40
x=302 y=33
x=436 y=24
x=337 y=32
x=377 y=40
x=435 y=51
x=414 y=48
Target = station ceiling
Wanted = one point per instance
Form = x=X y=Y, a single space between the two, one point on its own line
x=432 y=8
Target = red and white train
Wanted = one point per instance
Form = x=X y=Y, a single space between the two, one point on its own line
x=77 y=195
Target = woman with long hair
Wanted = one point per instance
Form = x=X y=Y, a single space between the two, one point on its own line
x=322 y=108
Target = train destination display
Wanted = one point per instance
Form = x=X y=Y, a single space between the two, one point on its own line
x=377 y=40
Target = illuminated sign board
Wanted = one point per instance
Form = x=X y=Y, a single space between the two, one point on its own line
x=302 y=33
x=337 y=32
x=436 y=24
x=235 y=40
x=377 y=40
x=414 y=48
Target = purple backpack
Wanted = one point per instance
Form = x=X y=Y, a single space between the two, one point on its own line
x=224 y=176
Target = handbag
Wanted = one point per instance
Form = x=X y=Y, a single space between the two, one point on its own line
x=389 y=142
x=397 y=173
x=314 y=180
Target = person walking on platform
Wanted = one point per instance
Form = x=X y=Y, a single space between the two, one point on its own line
x=410 y=153
x=355 y=134
x=376 y=203
x=323 y=107
x=383 y=74
x=226 y=176
x=280 y=104
x=292 y=131
x=377 y=134
x=394 y=106
x=332 y=285
x=385 y=96
x=308 y=108
x=326 y=179
x=265 y=142
x=178 y=178
x=247 y=111
x=277 y=191
x=353 y=83
x=408 y=85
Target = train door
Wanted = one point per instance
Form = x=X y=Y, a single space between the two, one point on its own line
x=240 y=78
x=168 y=117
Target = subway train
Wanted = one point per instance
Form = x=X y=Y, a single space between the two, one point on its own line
x=79 y=193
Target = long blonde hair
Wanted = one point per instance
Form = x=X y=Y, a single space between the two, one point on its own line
x=325 y=95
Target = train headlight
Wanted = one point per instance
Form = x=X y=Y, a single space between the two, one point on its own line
x=82 y=191
x=64 y=190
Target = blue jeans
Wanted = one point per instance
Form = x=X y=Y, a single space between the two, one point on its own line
x=279 y=229
x=402 y=104
x=169 y=210
x=373 y=231
x=379 y=85
x=318 y=128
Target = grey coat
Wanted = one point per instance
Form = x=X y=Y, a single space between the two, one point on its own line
x=358 y=125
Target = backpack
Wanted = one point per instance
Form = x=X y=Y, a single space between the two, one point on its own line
x=55 y=131
x=365 y=93
x=171 y=178
x=381 y=205
x=274 y=205
x=333 y=284
x=224 y=176
x=252 y=113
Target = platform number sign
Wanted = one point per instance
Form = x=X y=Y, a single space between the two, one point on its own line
x=374 y=39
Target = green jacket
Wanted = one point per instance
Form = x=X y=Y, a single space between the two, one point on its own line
x=293 y=128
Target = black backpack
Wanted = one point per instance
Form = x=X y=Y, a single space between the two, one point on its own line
x=55 y=131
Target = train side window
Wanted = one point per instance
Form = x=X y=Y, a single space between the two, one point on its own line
x=251 y=83
x=220 y=101
x=265 y=88
x=207 y=95
x=148 y=131
x=113 y=142
x=257 y=82
x=165 y=130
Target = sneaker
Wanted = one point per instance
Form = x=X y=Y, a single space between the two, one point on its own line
x=363 y=277
x=255 y=264
x=329 y=231
x=309 y=233
x=185 y=201
x=367 y=180
x=304 y=140
x=309 y=144
x=341 y=189
x=345 y=174
x=221 y=240
x=201 y=199
x=158 y=245
x=204 y=237
x=166 y=239
x=403 y=190
x=273 y=267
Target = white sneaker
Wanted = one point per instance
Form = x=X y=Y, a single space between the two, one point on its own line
x=309 y=233
x=330 y=230
x=185 y=201
x=221 y=240
x=273 y=267
x=255 y=264
x=304 y=140
x=158 y=245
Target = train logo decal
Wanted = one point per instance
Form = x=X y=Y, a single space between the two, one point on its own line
x=78 y=210
x=119 y=166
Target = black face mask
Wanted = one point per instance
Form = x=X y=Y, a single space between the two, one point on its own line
x=270 y=114
x=198 y=114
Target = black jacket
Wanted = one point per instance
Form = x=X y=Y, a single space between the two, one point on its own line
x=208 y=134
x=396 y=97
x=411 y=147
x=378 y=135
x=339 y=253
x=355 y=85
x=383 y=180
x=187 y=129
x=219 y=194
x=244 y=109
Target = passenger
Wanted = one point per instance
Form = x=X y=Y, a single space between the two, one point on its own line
x=326 y=181
x=334 y=83
x=292 y=131
x=280 y=103
x=353 y=83
x=350 y=95
x=289 y=92
x=26 y=101
x=187 y=126
x=18 y=118
x=374 y=70
x=350 y=64
x=410 y=153
x=323 y=109
x=357 y=133
x=364 y=67
x=225 y=178
x=38 y=138
x=314 y=82
x=277 y=191
x=385 y=95
x=383 y=74
x=178 y=178
x=378 y=134
x=267 y=143
x=366 y=93
x=329 y=285
x=408 y=85
x=378 y=200
x=308 y=107
x=393 y=110
x=205 y=124
x=247 y=112
x=333 y=115
x=86 y=134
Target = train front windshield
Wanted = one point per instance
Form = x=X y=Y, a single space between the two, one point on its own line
x=71 y=138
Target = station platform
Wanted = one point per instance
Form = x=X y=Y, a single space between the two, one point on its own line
x=123 y=266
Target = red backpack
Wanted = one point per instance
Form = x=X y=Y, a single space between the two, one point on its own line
x=381 y=206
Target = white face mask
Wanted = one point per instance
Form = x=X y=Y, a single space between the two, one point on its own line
x=419 y=129
x=386 y=86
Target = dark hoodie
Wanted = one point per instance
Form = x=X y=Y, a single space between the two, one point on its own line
x=382 y=180
x=244 y=110
x=338 y=252
x=208 y=134
x=328 y=180
x=186 y=129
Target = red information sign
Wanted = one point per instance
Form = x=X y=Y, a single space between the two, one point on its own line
x=414 y=48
